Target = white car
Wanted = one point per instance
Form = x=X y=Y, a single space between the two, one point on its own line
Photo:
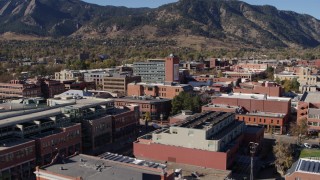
x=307 y=145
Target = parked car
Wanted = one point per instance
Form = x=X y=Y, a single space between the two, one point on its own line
x=307 y=145
x=315 y=146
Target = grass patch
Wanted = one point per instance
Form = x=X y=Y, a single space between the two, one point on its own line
x=310 y=153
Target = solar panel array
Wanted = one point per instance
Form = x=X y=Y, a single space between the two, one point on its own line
x=130 y=160
x=310 y=166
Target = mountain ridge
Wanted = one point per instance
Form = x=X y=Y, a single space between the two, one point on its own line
x=224 y=21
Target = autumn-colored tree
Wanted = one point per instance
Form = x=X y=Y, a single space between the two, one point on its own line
x=283 y=154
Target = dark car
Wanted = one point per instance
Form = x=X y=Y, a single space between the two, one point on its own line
x=315 y=146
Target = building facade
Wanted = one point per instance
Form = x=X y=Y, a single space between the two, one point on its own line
x=162 y=90
x=211 y=137
x=309 y=109
x=155 y=106
x=158 y=70
x=271 y=112
x=119 y=83
x=16 y=89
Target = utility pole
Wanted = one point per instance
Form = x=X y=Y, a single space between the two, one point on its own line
x=253 y=147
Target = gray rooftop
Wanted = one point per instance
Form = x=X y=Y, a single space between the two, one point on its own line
x=11 y=142
x=204 y=119
x=29 y=117
x=311 y=97
x=108 y=166
x=141 y=99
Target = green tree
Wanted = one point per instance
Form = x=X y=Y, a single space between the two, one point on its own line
x=185 y=101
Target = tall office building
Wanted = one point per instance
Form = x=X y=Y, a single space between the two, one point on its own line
x=158 y=70
x=172 y=69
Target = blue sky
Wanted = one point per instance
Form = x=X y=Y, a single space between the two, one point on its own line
x=301 y=6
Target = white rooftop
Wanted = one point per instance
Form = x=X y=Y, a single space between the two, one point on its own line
x=254 y=96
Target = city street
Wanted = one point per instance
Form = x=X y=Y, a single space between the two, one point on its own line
x=290 y=139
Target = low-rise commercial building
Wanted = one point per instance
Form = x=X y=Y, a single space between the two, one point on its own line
x=17 y=89
x=118 y=83
x=309 y=109
x=271 y=112
x=17 y=157
x=265 y=87
x=106 y=166
x=212 y=138
x=162 y=90
x=243 y=75
x=155 y=106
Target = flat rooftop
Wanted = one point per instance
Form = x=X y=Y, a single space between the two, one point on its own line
x=133 y=99
x=254 y=96
x=161 y=84
x=221 y=106
x=90 y=102
x=204 y=119
x=29 y=117
x=266 y=114
x=107 y=165
x=311 y=97
x=205 y=173
x=12 y=142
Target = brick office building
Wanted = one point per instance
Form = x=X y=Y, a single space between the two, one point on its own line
x=265 y=87
x=16 y=89
x=212 y=138
x=163 y=90
x=309 y=109
x=97 y=132
x=53 y=132
x=50 y=88
x=17 y=158
x=124 y=122
x=271 y=112
x=65 y=141
x=155 y=106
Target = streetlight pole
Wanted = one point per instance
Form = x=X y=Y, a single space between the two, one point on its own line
x=253 y=147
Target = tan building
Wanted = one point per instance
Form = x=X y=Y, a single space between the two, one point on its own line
x=68 y=75
x=119 y=83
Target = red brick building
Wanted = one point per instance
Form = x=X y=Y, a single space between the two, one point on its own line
x=271 y=112
x=97 y=132
x=50 y=88
x=165 y=90
x=268 y=88
x=172 y=69
x=124 y=122
x=16 y=89
x=309 y=109
x=65 y=140
x=155 y=106
x=207 y=136
x=17 y=158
